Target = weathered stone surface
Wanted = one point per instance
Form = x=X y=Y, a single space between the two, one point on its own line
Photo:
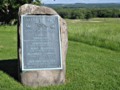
x=33 y=9
x=41 y=77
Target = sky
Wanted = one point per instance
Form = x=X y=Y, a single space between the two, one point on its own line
x=79 y=1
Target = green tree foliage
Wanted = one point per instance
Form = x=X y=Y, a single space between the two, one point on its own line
x=37 y=2
x=88 y=15
x=85 y=13
x=9 y=10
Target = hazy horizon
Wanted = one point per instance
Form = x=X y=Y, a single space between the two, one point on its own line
x=78 y=1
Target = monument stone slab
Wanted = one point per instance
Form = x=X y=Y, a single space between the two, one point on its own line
x=42 y=46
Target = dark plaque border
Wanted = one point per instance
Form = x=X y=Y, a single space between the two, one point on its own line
x=22 y=46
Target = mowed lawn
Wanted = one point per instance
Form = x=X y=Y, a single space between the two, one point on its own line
x=93 y=59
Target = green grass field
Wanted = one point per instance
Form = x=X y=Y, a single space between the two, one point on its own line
x=103 y=32
x=92 y=61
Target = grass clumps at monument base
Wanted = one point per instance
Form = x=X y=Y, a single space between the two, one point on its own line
x=89 y=65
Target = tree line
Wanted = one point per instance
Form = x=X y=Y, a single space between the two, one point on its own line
x=85 y=5
x=9 y=11
x=85 y=13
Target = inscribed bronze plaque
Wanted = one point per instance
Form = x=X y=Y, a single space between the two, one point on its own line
x=41 y=42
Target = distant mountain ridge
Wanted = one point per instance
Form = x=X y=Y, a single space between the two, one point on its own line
x=85 y=5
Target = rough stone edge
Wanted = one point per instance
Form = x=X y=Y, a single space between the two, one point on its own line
x=29 y=9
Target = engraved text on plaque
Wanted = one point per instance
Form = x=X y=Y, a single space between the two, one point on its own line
x=41 y=46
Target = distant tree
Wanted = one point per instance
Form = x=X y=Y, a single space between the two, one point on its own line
x=82 y=13
x=37 y=2
x=88 y=15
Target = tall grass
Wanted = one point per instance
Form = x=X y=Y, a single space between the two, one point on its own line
x=98 y=32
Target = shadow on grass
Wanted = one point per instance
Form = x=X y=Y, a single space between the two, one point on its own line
x=10 y=67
